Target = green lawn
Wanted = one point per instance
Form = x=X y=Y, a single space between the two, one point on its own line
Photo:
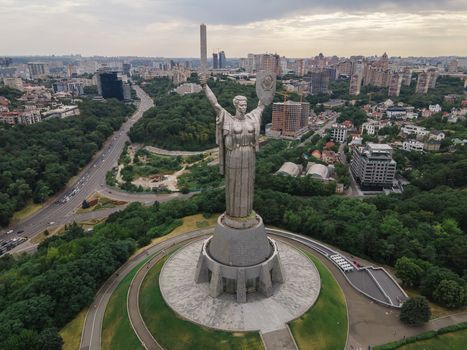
x=173 y=333
x=27 y=211
x=324 y=326
x=117 y=333
x=449 y=341
x=71 y=333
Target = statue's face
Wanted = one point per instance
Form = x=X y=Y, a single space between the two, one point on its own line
x=241 y=106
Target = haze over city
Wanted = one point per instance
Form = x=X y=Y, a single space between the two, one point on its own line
x=293 y=28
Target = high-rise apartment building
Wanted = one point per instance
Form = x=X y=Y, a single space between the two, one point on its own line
x=300 y=67
x=423 y=83
x=395 y=85
x=407 y=76
x=290 y=118
x=345 y=68
x=373 y=167
x=319 y=83
x=222 y=60
x=38 y=69
x=355 y=84
x=267 y=62
x=215 y=61
x=452 y=66
x=433 y=75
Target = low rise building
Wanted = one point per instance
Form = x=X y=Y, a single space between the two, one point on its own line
x=419 y=131
x=432 y=145
x=289 y=169
x=412 y=145
x=435 y=108
x=339 y=133
x=14 y=83
x=62 y=112
x=318 y=172
x=396 y=112
x=337 y=103
x=188 y=88
x=437 y=135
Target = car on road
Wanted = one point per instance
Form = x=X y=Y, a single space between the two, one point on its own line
x=9 y=232
x=20 y=231
x=52 y=222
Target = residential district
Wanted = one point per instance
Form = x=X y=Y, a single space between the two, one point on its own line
x=351 y=128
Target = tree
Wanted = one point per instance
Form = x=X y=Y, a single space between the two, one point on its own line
x=450 y=294
x=415 y=311
x=409 y=272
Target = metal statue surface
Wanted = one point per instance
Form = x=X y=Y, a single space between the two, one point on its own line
x=237 y=137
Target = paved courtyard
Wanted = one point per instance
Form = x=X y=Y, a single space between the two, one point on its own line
x=192 y=301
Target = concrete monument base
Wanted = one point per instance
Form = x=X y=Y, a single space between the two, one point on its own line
x=192 y=301
x=239 y=260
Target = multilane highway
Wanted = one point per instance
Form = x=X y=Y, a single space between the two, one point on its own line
x=61 y=208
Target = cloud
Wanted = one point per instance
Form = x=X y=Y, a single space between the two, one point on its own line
x=292 y=28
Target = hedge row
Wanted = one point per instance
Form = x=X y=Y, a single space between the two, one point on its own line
x=422 y=336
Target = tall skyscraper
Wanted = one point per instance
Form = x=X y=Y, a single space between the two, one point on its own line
x=355 y=83
x=433 y=77
x=222 y=59
x=319 y=82
x=203 y=47
x=215 y=61
x=395 y=85
x=423 y=82
x=407 y=76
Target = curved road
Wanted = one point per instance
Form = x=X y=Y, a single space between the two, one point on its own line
x=91 y=335
x=58 y=211
x=369 y=323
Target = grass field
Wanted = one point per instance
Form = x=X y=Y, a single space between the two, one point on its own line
x=449 y=341
x=27 y=211
x=117 y=333
x=52 y=231
x=174 y=333
x=324 y=326
x=71 y=333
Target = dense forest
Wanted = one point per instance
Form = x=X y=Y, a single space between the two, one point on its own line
x=37 y=160
x=40 y=293
x=187 y=122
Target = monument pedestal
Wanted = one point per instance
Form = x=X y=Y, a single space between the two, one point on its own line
x=240 y=259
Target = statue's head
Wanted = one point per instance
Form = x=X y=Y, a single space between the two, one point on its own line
x=240 y=104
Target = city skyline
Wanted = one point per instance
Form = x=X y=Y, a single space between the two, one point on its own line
x=294 y=29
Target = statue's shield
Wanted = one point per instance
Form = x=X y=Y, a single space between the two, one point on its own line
x=265 y=86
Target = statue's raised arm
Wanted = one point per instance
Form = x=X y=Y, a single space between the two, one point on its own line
x=203 y=79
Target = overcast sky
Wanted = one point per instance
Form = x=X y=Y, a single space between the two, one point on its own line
x=294 y=28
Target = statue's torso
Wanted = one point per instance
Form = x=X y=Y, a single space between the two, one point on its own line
x=242 y=134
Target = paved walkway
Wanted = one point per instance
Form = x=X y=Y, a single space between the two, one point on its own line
x=280 y=339
x=92 y=328
x=191 y=300
x=166 y=152
x=369 y=323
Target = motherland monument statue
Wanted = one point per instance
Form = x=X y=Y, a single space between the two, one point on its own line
x=239 y=258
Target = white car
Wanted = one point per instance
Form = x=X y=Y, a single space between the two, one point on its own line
x=9 y=232
x=52 y=222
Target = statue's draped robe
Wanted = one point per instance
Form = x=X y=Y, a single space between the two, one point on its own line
x=238 y=143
